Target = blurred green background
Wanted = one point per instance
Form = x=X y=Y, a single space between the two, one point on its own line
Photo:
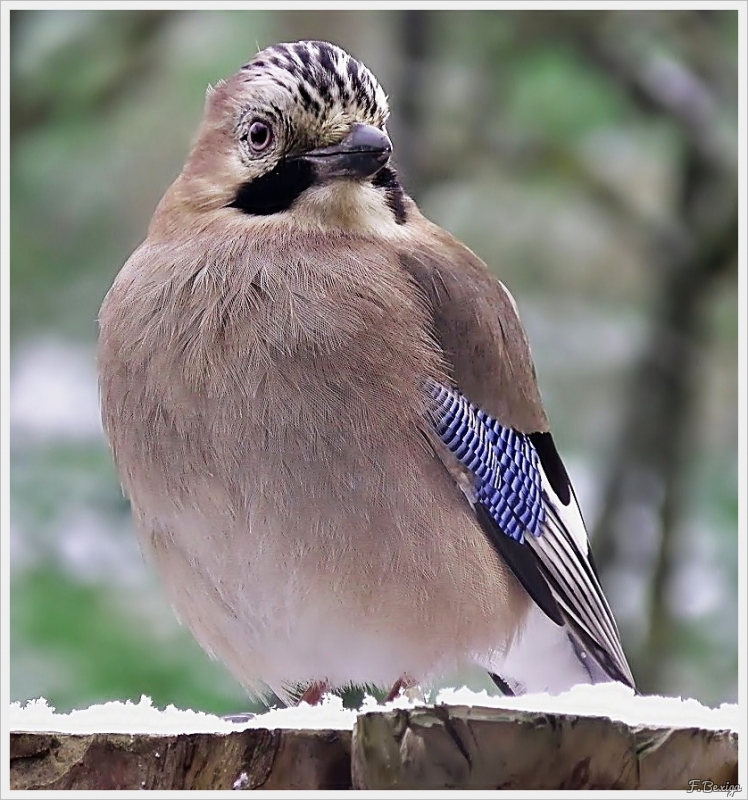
x=590 y=158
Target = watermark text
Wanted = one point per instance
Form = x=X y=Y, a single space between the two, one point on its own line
x=710 y=786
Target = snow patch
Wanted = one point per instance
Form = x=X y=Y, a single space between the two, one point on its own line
x=602 y=700
x=612 y=700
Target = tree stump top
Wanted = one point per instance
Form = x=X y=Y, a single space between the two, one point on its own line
x=573 y=741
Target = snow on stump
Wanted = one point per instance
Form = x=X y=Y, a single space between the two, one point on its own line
x=600 y=737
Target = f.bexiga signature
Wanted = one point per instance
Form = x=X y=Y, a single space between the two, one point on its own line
x=710 y=786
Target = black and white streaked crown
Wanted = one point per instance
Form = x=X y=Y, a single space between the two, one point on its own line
x=321 y=77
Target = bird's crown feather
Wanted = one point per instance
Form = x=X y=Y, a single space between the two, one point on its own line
x=321 y=76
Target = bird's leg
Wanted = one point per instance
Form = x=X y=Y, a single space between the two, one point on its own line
x=401 y=685
x=313 y=693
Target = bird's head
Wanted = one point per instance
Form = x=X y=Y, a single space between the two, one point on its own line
x=300 y=128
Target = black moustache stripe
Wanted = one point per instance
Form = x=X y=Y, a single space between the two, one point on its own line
x=279 y=189
x=276 y=191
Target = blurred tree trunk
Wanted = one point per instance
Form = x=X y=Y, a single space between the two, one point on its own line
x=655 y=436
x=645 y=492
x=415 y=34
x=647 y=477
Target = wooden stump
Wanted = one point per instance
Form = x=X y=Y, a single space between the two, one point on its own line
x=430 y=747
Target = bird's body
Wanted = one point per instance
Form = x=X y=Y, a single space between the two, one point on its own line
x=265 y=357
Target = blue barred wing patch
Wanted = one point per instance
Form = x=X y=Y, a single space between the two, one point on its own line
x=504 y=462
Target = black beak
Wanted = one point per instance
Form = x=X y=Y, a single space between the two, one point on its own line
x=360 y=155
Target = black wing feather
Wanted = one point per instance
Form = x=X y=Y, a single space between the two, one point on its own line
x=523 y=563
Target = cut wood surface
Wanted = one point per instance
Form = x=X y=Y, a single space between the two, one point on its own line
x=430 y=747
x=464 y=747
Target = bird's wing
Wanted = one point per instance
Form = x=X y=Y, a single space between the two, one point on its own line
x=493 y=422
x=525 y=504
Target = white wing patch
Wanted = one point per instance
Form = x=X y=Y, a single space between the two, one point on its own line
x=569 y=516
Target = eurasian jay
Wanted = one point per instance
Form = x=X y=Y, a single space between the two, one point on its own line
x=324 y=410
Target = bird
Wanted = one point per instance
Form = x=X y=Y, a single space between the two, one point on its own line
x=325 y=413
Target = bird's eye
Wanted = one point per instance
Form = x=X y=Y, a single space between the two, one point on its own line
x=260 y=135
